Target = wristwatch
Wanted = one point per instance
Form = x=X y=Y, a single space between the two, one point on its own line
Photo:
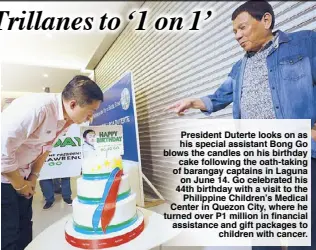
x=36 y=174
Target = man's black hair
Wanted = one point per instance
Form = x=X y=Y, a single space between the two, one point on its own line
x=83 y=90
x=87 y=132
x=256 y=9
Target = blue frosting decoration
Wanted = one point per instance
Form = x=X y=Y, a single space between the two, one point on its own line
x=96 y=176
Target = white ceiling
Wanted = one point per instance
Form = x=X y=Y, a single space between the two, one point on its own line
x=29 y=78
x=27 y=55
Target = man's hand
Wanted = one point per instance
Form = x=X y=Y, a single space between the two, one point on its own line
x=26 y=189
x=180 y=107
x=22 y=186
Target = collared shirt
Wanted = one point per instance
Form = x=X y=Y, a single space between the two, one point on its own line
x=88 y=150
x=88 y=147
x=256 y=99
x=29 y=124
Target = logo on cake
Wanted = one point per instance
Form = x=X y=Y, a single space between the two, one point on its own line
x=125 y=99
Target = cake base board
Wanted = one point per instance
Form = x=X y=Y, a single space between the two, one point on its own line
x=104 y=241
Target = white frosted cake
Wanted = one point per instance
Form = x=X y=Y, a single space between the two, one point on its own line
x=104 y=212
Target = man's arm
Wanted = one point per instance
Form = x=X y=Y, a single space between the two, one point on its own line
x=222 y=97
x=208 y=104
x=17 y=125
x=22 y=186
x=26 y=188
x=36 y=167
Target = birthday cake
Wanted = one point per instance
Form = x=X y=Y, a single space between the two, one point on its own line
x=104 y=211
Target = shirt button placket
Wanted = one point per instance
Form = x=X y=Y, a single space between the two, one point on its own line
x=277 y=107
x=277 y=110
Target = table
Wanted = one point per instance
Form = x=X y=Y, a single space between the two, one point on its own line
x=156 y=232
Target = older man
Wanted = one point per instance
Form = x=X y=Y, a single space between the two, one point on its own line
x=276 y=78
x=30 y=125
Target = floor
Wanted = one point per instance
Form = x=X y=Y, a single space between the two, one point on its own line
x=44 y=218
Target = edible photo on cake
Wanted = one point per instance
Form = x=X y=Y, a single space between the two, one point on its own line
x=88 y=141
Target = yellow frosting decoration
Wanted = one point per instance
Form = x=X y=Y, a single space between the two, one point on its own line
x=118 y=163
x=107 y=163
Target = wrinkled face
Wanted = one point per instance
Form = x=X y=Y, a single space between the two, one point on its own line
x=250 y=33
x=81 y=114
x=90 y=138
